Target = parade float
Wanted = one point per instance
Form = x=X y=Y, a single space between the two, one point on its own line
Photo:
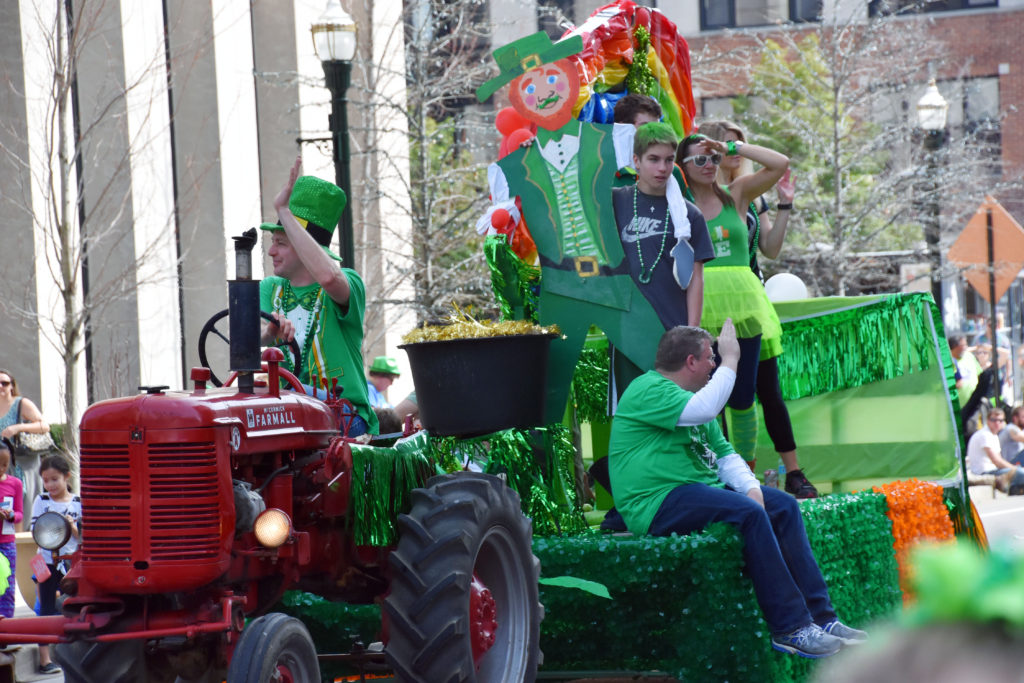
x=211 y=531
x=682 y=605
x=868 y=381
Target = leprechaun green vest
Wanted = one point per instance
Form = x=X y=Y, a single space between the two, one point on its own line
x=560 y=207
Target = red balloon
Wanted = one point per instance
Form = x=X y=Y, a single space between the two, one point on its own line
x=519 y=137
x=643 y=18
x=500 y=220
x=509 y=120
x=514 y=141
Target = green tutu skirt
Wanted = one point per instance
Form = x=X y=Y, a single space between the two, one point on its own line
x=735 y=292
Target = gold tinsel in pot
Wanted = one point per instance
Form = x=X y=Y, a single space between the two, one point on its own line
x=461 y=325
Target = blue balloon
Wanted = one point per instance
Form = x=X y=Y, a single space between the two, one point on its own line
x=587 y=113
x=600 y=108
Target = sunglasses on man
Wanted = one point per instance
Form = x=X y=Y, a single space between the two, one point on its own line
x=701 y=160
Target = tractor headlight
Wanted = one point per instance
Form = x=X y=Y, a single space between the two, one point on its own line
x=272 y=528
x=51 y=531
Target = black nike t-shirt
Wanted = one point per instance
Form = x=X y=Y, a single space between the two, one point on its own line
x=650 y=234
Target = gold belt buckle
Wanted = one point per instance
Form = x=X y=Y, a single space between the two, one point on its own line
x=530 y=62
x=586 y=266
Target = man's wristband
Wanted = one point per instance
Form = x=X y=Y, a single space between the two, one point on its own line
x=784 y=207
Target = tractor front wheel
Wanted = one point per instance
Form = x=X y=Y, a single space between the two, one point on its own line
x=463 y=604
x=274 y=647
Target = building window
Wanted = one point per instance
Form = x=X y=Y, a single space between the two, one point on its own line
x=881 y=7
x=805 y=10
x=717 y=14
x=553 y=16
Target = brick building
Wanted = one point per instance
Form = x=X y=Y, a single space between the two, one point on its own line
x=981 y=74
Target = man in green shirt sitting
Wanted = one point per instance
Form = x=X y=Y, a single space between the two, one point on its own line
x=673 y=472
x=313 y=299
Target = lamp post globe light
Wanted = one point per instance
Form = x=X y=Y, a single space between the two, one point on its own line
x=334 y=40
x=931 y=117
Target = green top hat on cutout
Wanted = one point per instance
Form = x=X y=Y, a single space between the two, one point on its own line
x=385 y=365
x=524 y=54
x=318 y=205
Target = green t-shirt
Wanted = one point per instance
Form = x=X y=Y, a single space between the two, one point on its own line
x=649 y=455
x=330 y=338
x=729 y=238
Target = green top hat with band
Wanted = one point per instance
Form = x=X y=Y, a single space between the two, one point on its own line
x=524 y=54
x=318 y=205
x=385 y=365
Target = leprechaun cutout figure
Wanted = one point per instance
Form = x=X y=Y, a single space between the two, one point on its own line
x=564 y=180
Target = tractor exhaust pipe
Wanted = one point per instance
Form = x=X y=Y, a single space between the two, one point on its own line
x=244 y=314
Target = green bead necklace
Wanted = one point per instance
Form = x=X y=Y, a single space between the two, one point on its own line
x=313 y=307
x=646 y=278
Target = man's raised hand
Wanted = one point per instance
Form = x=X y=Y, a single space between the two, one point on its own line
x=728 y=347
x=285 y=195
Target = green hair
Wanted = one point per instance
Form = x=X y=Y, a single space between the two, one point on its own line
x=653 y=133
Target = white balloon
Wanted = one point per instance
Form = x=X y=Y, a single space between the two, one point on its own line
x=785 y=287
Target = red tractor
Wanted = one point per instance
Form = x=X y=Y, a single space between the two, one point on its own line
x=202 y=507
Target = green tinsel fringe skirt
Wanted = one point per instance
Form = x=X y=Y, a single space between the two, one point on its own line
x=735 y=292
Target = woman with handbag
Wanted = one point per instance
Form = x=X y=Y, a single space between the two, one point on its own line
x=23 y=425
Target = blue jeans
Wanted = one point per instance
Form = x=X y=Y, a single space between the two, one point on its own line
x=787 y=582
x=1018 y=477
x=358 y=426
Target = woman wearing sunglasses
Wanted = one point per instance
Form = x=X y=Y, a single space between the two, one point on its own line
x=731 y=290
x=19 y=414
x=768 y=237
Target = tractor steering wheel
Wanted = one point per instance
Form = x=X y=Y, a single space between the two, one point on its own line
x=211 y=327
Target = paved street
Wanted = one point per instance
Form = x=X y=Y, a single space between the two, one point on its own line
x=1003 y=516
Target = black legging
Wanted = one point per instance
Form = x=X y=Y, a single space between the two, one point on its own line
x=976 y=397
x=47 y=592
x=776 y=415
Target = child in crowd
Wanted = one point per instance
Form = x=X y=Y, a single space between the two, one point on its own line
x=56 y=471
x=10 y=514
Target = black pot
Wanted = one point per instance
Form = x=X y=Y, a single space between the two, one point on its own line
x=468 y=387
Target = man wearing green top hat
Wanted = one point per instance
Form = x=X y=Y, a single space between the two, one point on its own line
x=565 y=181
x=383 y=373
x=313 y=299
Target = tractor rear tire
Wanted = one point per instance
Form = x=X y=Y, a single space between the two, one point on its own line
x=86 y=661
x=270 y=643
x=463 y=527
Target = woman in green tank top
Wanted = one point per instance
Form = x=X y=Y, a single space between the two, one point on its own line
x=767 y=236
x=731 y=290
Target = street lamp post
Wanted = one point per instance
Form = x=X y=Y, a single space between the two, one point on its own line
x=334 y=39
x=931 y=116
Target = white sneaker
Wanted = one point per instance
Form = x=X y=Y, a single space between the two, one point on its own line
x=849 y=636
